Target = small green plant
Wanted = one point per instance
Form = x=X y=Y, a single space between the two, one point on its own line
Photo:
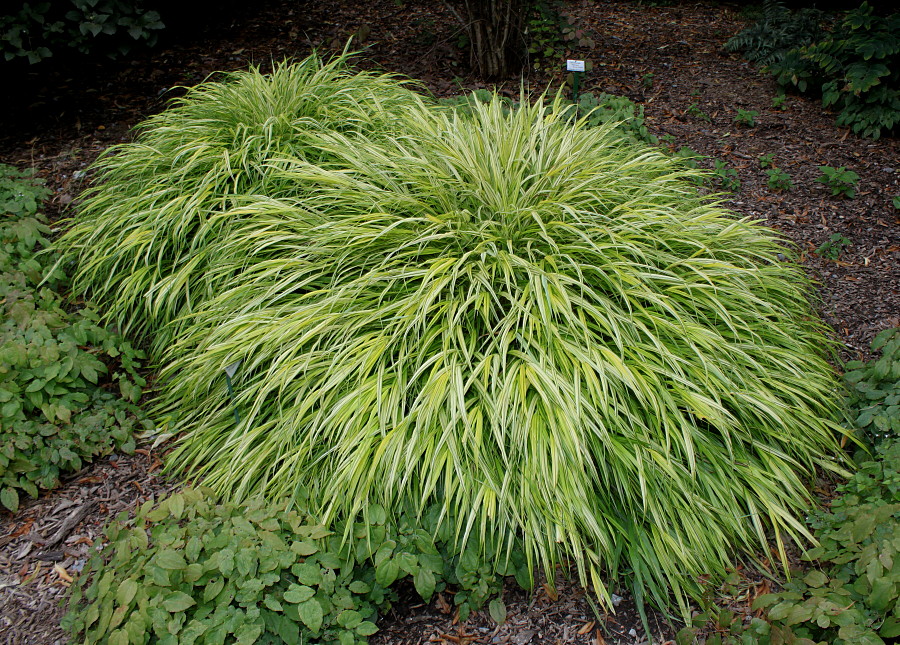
x=746 y=118
x=896 y=202
x=779 y=102
x=694 y=110
x=767 y=161
x=779 y=180
x=833 y=247
x=875 y=389
x=725 y=176
x=647 y=80
x=668 y=140
x=54 y=414
x=839 y=181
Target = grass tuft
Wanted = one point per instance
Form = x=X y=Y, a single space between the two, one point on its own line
x=541 y=327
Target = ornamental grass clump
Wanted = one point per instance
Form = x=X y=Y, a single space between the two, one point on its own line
x=539 y=327
x=147 y=233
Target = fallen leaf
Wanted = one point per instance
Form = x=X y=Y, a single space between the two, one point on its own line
x=62 y=573
x=551 y=592
x=586 y=628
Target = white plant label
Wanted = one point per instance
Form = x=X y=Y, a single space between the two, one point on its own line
x=574 y=65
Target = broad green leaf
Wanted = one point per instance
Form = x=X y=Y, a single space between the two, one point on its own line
x=126 y=591
x=9 y=498
x=298 y=593
x=311 y=614
x=425 y=583
x=307 y=574
x=170 y=559
x=178 y=601
x=497 y=609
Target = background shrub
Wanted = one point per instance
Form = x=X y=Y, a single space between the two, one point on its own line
x=855 y=69
x=55 y=413
x=777 y=31
x=113 y=27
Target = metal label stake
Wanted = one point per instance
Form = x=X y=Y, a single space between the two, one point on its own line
x=577 y=68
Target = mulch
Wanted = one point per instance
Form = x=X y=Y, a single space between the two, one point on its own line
x=62 y=115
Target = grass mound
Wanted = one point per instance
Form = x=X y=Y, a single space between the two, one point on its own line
x=538 y=326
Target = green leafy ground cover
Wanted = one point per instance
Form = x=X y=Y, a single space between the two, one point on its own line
x=56 y=409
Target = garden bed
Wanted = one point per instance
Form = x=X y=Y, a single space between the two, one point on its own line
x=666 y=58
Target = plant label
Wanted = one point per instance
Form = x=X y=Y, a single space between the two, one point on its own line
x=574 y=65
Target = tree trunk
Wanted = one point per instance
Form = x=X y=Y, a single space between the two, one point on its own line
x=495 y=30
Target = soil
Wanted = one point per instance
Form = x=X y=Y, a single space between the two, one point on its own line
x=59 y=116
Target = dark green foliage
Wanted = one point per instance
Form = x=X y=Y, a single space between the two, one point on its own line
x=839 y=181
x=855 y=68
x=550 y=32
x=610 y=108
x=777 y=31
x=53 y=415
x=191 y=571
x=726 y=177
x=36 y=30
x=875 y=389
x=746 y=118
x=778 y=180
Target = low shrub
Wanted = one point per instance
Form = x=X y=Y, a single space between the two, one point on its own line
x=617 y=110
x=54 y=414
